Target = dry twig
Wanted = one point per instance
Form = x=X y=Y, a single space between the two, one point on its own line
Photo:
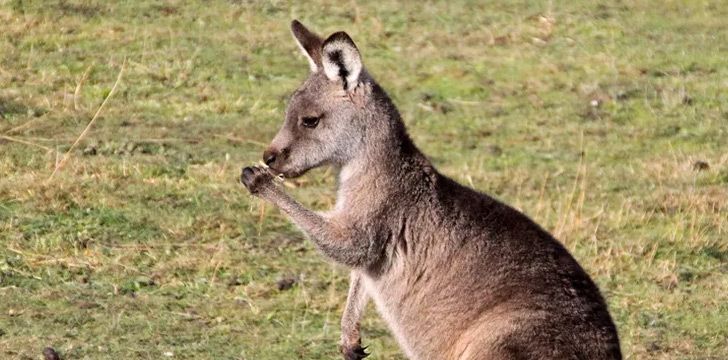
x=63 y=161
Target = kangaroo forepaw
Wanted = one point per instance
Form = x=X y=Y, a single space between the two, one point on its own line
x=355 y=352
x=256 y=179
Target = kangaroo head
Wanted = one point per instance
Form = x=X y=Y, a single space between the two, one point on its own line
x=323 y=122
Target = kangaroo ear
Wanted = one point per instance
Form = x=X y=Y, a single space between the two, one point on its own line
x=309 y=43
x=341 y=60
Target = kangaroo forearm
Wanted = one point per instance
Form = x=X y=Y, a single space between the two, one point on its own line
x=355 y=303
x=343 y=244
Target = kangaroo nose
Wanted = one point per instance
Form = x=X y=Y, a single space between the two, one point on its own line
x=269 y=156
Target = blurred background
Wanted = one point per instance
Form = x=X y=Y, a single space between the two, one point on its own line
x=606 y=122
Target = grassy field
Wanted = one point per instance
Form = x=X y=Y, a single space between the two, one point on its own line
x=608 y=124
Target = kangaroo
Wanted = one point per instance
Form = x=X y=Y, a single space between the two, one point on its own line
x=454 y=273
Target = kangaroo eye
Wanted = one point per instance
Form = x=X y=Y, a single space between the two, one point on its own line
x=310 y=121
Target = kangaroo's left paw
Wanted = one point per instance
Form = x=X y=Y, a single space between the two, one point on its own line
x=256 y=179
x=355 y=352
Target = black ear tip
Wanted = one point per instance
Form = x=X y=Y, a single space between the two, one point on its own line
x=298 y=27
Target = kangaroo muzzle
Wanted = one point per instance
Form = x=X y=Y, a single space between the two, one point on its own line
x=275 y=158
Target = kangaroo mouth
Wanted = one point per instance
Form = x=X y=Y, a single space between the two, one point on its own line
x=291 y=174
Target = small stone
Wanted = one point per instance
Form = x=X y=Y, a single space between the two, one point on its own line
x=701 y=165
x=654 y=347
x=50 y=354
x=90 y=151
x=130 y=147
x=495 y=150
x=285 y=283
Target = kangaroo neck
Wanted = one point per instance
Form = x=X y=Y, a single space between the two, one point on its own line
x=388 y=161
x=385 y=164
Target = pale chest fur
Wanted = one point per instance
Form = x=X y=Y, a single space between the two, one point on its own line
x=388 y=312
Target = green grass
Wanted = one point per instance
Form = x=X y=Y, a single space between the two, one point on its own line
x=591 y=118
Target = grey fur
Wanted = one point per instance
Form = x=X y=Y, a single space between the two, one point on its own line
x=455 y=273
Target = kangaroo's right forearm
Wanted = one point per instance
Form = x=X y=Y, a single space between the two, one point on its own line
x=344 y=243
